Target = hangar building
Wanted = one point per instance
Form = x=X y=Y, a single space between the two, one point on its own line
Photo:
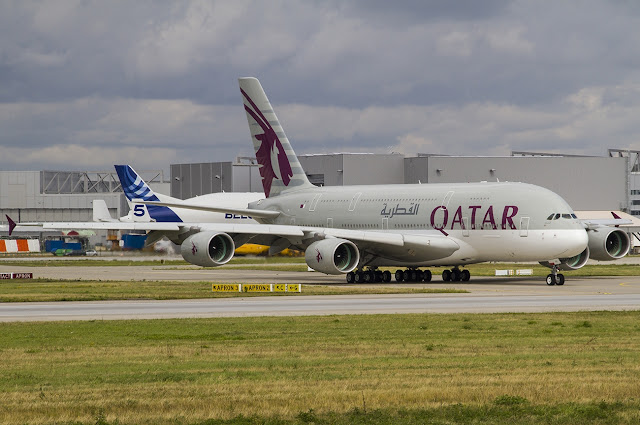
x=587 y=183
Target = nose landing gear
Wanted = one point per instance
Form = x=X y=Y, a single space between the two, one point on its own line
x=555 y=278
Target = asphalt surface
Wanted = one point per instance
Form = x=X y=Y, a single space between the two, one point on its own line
x=486 y=295
x=313 y=305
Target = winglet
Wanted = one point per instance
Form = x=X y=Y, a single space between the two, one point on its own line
x=12 y=224
x=616 y=216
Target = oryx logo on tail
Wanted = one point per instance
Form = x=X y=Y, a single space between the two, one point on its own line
x=271 y=155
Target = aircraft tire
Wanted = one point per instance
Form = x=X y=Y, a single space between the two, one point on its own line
x=465 y=275
x=446 y=275
x=455 y=275
x=386 y=276
x=399 y=276
x=550 y=280
x=350 y=277
x=358 y=277
x=560 y=279
x=427 y=276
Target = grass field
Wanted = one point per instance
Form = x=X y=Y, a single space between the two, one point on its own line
x=123 y=261
x=298 y=264
x=33 y=290
x=556 y=368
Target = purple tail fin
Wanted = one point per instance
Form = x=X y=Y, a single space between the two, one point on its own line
x=279 y=167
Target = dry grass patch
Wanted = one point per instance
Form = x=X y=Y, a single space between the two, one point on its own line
x=189 y=371
x=43 y=290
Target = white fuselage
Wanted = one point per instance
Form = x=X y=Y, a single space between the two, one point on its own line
x=488 y=221
x=227 y=199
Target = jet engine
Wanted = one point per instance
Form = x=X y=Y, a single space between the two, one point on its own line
x=208 y=249
x=573 y=263
x=608 y=243
x=332 y=256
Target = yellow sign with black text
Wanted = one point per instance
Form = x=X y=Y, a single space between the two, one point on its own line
x=256 y=287
x=226 y=287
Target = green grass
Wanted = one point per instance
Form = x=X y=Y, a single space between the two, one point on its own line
x=298 y=264
x=87 y=262
x=40 y=290
x=552 y=368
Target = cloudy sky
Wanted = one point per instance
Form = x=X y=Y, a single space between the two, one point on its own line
x=87 y=84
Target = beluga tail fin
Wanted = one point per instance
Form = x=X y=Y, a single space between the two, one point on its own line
x=136 y=189
x=279 y=167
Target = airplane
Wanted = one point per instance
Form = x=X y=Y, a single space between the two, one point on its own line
x=355 y=230
x=136 y=189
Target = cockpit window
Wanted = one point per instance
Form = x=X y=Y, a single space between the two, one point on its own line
x=556 y=216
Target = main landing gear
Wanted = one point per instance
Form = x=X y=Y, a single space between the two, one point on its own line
x=456 y=275
x=555 y=278
x=369 y=276
x=413 y=275
x=373 y=275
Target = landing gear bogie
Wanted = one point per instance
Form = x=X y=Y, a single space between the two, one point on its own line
x=413 y=275
x=456 y=275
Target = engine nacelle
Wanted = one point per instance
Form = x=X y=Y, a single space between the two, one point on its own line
x=573 y=263
x=608 y=243
x=332 y=256
x=208 y=249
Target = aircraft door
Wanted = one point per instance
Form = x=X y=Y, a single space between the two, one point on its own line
x=354 y=201
x=447 y=198
x=329 y=222
x=385 y=223
x=314 y=202
x=524 y=227
x=465 y=226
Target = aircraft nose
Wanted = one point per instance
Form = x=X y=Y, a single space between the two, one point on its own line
x=576 y=242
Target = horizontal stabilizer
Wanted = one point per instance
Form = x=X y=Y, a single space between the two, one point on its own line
x=101 y=211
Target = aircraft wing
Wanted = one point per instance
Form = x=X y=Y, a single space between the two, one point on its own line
x=430 y=245
x=255 y=229
x=93 y=225
x=615 y=221
x=592 y=223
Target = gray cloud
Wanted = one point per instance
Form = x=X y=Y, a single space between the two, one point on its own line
x=462 y=77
